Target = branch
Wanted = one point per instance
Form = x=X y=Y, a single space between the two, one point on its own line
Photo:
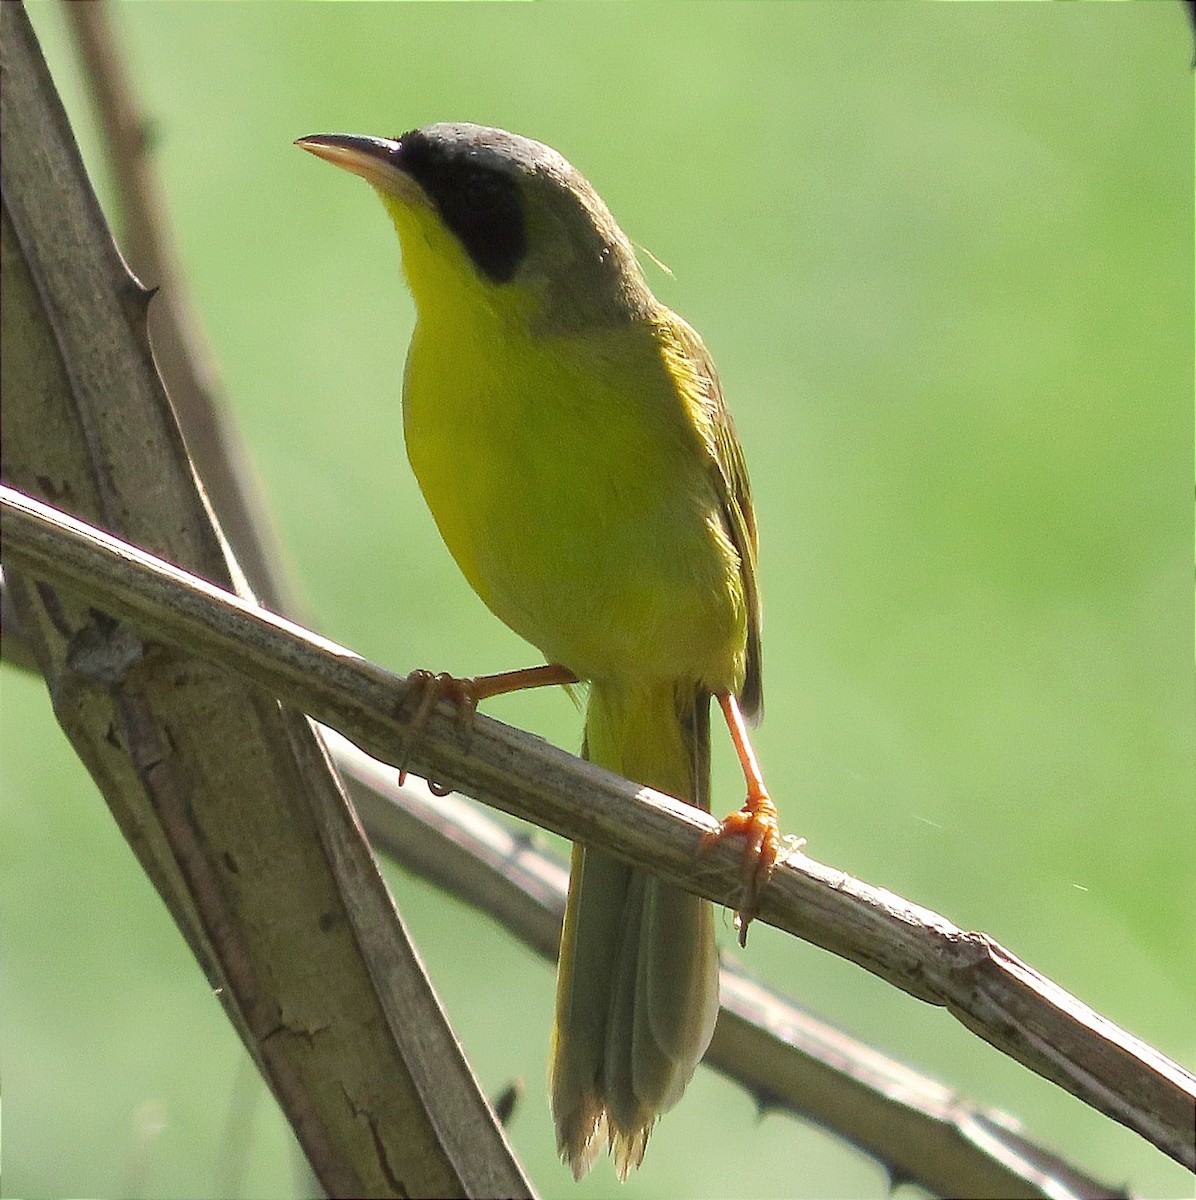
x=227 y=799
x=1010 y=1005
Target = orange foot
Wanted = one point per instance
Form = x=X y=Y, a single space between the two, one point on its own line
x=756 y=822
x=426 y=690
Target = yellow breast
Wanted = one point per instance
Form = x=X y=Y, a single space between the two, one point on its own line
x=569 y=483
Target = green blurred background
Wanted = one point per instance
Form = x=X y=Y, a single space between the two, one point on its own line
x=942 y=256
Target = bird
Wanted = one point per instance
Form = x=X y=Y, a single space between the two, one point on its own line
x=570 y=437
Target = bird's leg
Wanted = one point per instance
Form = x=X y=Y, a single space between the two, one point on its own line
x=426 y=690
x=756 y=821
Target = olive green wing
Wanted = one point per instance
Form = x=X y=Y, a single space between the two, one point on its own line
x=729 y=474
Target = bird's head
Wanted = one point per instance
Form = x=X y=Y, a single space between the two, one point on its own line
x=497 y=221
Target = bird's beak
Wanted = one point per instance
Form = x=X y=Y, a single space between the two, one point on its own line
x=375 y=159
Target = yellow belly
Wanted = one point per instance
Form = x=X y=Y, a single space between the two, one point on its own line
x=571 y=488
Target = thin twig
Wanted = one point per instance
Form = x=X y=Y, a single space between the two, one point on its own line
x=989 y=990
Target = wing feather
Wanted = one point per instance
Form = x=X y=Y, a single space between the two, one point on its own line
x=729 y=474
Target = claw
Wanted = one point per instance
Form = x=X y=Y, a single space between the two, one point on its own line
x=465 y=694
x=429 y=690
x=756 y=823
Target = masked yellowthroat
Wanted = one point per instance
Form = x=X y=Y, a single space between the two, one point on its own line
x=570 y=437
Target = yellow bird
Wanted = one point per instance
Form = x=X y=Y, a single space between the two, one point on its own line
x=570 y=437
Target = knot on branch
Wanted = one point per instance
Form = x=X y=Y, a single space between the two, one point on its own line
x=104 y=650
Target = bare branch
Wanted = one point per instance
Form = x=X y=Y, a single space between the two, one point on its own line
x=985 y=987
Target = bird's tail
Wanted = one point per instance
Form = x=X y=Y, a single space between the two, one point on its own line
x=637 y=987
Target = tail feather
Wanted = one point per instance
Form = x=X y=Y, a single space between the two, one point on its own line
x=677 y=1004
x=637 y=991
